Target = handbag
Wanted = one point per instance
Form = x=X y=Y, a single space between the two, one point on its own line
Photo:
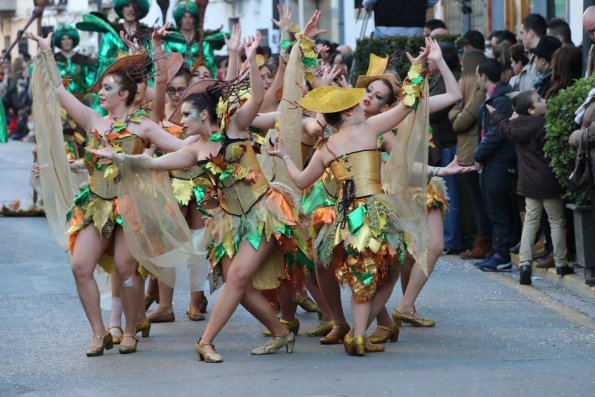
x=582 y=175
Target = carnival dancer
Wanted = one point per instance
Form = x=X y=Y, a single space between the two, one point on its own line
x=186 y=40
x=94 y=220
x=254 y=216
x=366 y=232
x=189 y=185
x=115 y=36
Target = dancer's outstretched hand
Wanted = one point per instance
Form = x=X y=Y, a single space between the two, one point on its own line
x=234 y=42
x=435 y=50
x=160 y=33
x=454 y=168
x=106 y=152
x=311 y=29
x=423 y=55
x=284 y=17
x=278 y=151
x=43 y=43
x=251 y=44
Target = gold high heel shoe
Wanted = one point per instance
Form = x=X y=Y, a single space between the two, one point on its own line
x=372 y=348
x=127 y=349
x=322 y=330
x=356 y=346
x=116 y=338
x=305 y=303
x=274 y=344
x=359 y=346
x=204 y=355
x=410 y=318
x=390 y=334
x=336 y=335
x=144 y=328
x=291 y=325
x=106 y=344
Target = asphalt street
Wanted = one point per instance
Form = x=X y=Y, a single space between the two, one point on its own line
x=492 y=338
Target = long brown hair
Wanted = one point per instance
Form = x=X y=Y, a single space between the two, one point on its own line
x=567 y=66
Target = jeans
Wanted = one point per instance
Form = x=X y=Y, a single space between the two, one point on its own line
x=555 y=212
x=498 y=186
x=453 y=238
x=483 y=227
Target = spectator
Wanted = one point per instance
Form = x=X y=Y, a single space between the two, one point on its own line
x=536 y=180
x=446 y=144
x=473 y=40
x=464 y=124
x=560 y=29
x=495 y=159
x=567 y=67
x=503 y=35
x=397 y=17
x=533 y=28
x=500 y=53
x=435 y=27
x=543 y=62
x=518 y=60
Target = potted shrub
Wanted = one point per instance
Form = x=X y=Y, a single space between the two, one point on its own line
x=559 y=125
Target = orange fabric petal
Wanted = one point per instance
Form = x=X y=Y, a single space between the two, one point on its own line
x=283 y=205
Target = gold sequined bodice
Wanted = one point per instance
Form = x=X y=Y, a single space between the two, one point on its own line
x=107 y=188
x=237 y=197
x=359 y=172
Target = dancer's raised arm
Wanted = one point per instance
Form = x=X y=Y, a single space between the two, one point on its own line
x=241 y=120
x=82 y=114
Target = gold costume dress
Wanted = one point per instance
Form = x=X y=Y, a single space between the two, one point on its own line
x=190 y=182
x=361 y=234
x=251 y=208
x=97 y=202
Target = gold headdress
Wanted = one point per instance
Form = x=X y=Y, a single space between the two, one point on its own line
x=377 y=71
x=332 y=99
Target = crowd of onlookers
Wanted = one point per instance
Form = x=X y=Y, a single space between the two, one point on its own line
x=506 y=81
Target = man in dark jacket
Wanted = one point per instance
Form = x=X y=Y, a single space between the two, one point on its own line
x=495 y=159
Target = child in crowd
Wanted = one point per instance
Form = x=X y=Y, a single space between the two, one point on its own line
x=535 y=179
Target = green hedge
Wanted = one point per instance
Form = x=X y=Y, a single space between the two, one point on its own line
x=394 y=47
x=559 y=125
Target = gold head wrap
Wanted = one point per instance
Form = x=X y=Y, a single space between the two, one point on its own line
x=332 y=99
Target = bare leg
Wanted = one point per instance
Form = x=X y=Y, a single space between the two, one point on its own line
x=115 y=318
x=126 y=268
x=418 y=277
x=238 y=280
x=196 y=221
x=360 y=313
x=87 y=250
x=406 y=273
x=319 y=298
x=329 y=286
x=285 y=294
